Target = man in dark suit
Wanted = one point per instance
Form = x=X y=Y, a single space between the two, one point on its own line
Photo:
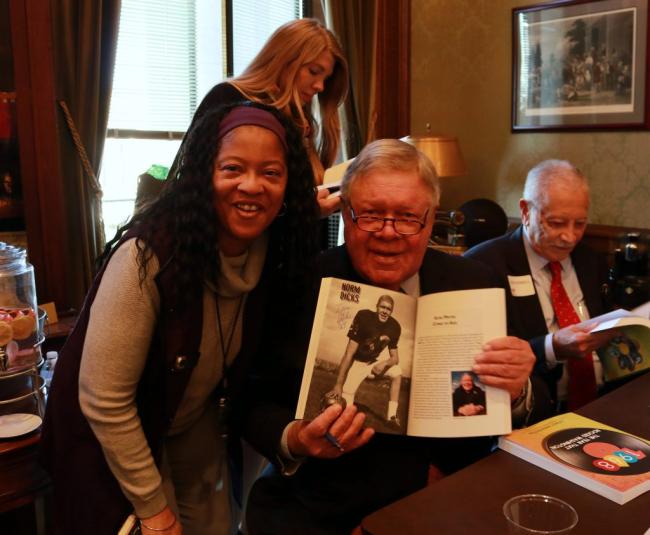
x=389 y=194
x=554 y=211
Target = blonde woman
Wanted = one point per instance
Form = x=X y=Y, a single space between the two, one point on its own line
x=301 y=60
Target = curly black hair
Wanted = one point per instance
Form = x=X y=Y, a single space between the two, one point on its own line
x=184 y=212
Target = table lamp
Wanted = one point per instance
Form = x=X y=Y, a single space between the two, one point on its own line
x=444 y=153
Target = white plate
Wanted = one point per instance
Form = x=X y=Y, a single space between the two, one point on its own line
x=14 y=425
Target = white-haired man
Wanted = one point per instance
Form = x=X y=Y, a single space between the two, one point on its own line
x=552 y=280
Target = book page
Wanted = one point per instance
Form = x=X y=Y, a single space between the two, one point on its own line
x=643 y=311
x=378 y=322
x=333 y=175
x=447 y=398
x=605 y=321
x=621 y=321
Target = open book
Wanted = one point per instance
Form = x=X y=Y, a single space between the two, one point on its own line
x=628 y=353
x=334 y=175
x=434 y=338
x=600 y=458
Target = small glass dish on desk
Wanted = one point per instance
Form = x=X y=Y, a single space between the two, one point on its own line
x=538 y=514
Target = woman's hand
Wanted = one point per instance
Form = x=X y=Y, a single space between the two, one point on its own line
x=163 y=522
x=307 y=438
x=328 y=203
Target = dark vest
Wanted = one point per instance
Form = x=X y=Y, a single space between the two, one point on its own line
x=87 y=497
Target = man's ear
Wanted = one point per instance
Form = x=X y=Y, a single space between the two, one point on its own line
x=345 y=211
x=524 y=209
x=431 y=217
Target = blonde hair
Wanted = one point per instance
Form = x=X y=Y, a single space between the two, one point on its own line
x=270 y=77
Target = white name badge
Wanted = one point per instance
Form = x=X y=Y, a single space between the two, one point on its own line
x=521 y=286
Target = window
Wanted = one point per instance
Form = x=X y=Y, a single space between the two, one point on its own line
x=169 y=54
x=253 y=23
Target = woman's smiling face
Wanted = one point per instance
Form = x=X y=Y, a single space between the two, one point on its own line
x=249 y=178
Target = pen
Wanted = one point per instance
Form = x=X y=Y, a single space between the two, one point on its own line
x=333 y=441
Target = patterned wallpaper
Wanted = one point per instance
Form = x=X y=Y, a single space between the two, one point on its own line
x=461 y=84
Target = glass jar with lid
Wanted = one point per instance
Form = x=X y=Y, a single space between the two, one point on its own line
x=21 y=332
x=22 y=399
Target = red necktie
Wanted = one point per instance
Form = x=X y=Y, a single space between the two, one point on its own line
x=582 y=382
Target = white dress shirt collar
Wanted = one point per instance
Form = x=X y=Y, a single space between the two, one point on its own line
x=411 y=286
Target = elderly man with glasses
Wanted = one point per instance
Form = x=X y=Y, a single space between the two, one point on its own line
x=316 y=485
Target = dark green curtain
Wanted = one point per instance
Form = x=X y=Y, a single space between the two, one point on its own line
x=85 y=43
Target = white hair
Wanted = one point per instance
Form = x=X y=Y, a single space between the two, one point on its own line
x=552 y=172
x=392 y=155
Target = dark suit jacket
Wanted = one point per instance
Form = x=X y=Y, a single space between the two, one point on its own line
x=506 y=255
x=331 y=496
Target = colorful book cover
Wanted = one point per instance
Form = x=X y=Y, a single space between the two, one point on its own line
x=626 y=354
x=599 y=457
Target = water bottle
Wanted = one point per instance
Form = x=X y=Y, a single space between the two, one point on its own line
x=48 y=368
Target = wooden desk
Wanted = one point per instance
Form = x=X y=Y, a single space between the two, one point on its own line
x=23 y=482
x=22 y=476
x=470 y=501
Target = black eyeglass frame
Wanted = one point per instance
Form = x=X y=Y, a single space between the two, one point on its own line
x=422 y=222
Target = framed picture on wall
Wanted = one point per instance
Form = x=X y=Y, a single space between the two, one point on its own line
x=580 y=65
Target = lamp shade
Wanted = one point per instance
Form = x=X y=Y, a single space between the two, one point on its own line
x=444 y=153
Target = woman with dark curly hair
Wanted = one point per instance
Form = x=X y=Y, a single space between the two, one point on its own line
x=138 y=408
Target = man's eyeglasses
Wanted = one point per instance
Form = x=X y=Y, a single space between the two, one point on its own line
x=405 y=227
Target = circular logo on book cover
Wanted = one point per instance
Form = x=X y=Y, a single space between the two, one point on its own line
x=600 y=450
